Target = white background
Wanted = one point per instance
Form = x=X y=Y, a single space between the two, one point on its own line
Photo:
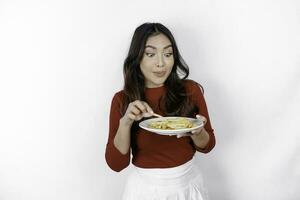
x=61 y=63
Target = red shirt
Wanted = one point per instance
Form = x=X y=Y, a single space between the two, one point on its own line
x=150 y=150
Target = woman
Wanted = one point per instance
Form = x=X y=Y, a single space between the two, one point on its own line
x=164 y=167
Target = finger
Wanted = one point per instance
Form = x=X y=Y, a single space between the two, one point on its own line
x=183 y=135
x=188 y=134
x=196 y=132
x=134 y=110
x=202 y=118
x=140 y=106
x=138 y=117
x=148 y=108
x=135 y=117
x=199 y=116
x=131 y=116
x=147 y=114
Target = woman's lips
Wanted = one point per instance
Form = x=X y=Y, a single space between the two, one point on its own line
x=159 y=74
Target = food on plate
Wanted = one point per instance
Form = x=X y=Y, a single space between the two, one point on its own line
x=171 y=124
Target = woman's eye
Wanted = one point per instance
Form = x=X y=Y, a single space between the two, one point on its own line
x=168 y=54
x=150 y=54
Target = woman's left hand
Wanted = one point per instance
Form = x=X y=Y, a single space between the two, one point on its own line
x=196 y=131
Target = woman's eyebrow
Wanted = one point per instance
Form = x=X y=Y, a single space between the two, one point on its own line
x=153 y=47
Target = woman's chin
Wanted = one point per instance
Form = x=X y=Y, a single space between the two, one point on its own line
x=155 y=84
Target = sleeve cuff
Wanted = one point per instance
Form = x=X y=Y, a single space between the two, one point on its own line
x=115 y=159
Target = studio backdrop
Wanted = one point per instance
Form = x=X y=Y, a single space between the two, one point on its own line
x=61 y=63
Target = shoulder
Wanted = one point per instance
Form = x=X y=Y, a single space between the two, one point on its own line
x=118 y=97
x=193 y=86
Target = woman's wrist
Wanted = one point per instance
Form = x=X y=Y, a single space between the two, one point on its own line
x=201 y=139
x=122 y=137
x=126 y=123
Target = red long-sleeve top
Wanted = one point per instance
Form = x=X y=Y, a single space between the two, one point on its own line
x=150 y=150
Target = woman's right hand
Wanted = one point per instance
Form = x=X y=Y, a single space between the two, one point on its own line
x=136 y=110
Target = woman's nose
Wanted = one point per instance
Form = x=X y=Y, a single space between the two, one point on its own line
x=160 y=62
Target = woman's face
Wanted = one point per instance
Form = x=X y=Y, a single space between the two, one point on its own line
x=157 y=61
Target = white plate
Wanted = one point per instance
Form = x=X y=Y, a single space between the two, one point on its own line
x=145 y=125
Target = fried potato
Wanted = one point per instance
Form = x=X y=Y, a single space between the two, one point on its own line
x=171 y=124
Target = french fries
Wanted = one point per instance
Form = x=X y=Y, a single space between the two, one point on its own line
x=171 y=124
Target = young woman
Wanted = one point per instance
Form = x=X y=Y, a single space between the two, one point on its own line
x=155 y=82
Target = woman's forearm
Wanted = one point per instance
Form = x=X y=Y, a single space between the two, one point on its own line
x=122 y=137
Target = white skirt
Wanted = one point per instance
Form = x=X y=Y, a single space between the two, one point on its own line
x=184 y=182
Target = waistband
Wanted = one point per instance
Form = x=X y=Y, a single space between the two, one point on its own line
x=179 y=175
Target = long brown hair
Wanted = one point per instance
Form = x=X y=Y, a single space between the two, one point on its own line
x=176 y=99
